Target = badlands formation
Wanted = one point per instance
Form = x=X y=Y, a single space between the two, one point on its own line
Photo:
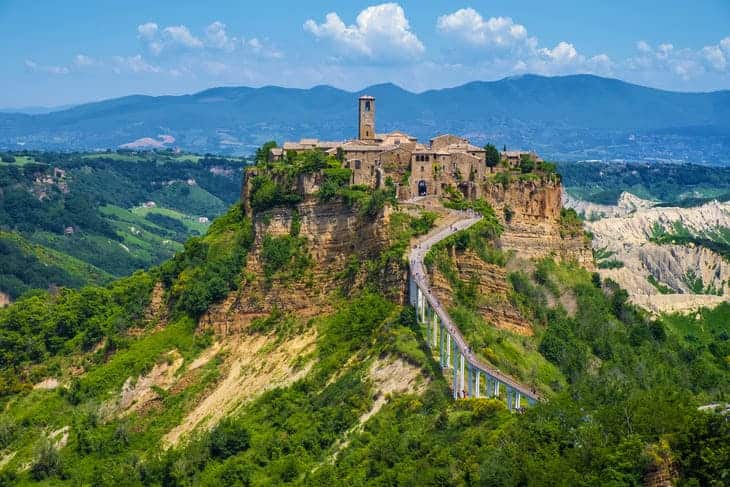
x=623 y=233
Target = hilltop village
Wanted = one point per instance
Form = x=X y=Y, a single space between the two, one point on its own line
x=417 y=169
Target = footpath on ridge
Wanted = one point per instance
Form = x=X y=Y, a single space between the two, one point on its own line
x=455 y=222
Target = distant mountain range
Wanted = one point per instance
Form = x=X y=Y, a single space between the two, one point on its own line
x=566 y=118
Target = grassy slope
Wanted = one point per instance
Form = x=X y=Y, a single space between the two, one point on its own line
x=37 y=260
x=191 y=223
x=623 y=385
x=111 y=182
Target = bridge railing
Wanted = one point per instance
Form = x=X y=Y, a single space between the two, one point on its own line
x=453 y=350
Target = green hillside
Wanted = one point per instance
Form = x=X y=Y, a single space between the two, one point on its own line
x=88 y=212
x=623 y=393
x=670 y=184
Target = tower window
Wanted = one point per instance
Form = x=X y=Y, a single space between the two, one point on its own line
x=367 y=106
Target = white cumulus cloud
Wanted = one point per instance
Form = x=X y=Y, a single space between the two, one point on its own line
x=180 y=35
x=563 y=53
x=380 y=33
x=685 y=63
x=175 y=36
x=147 y=31
x=468 y=25
x=506 y=46
x=261 y=49
x=135 y=64
x=217 y=37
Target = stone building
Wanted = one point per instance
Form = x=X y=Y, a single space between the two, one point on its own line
x=416 y=169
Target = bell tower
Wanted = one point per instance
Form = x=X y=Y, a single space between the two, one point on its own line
x=366 y=121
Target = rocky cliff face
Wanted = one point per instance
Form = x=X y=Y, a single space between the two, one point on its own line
x=492 y=288
x=638 y=227
x=627 y=204
x=681 y=269
x=530 y=212
x=334 y=233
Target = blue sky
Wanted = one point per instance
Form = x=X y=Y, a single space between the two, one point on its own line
x=57 y=53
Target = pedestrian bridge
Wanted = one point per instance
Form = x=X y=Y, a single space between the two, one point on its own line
x=472 y=377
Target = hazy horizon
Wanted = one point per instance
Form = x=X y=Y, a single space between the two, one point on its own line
x=40 y=109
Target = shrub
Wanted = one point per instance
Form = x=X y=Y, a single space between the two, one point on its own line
x=509 y=213
x=228 y=438
x=492 y=155
x=570 y=223
x=48 y=461
x=610 y=264
x=333 y=179
x=284 y=253
x=502 y=178
x=527 y=165
x=210 y=266
x=424 y=223
x=262 y=153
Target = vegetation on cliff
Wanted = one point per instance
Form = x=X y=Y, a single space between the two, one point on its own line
x=623 y=388
x=275 y=183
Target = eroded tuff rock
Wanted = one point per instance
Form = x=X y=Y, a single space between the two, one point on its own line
x=533 y=227
x=492 y=288
x=627 y=204
x=638 y=227
x=334 y=233
x=627 y=237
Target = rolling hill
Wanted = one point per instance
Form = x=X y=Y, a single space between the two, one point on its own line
x=77 y=219
x=567 y=118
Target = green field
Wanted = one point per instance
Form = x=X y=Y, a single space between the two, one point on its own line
x=20 y=161
x=190 y=222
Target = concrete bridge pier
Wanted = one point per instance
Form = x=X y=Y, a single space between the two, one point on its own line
x=442 y=348
x=435 y=325
x=428 y=334
x=448 y=349
x=413 y=292
x=462 y=387
x=455 y=386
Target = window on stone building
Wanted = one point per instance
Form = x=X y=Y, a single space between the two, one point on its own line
x=357 y=163
x=367 y=106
